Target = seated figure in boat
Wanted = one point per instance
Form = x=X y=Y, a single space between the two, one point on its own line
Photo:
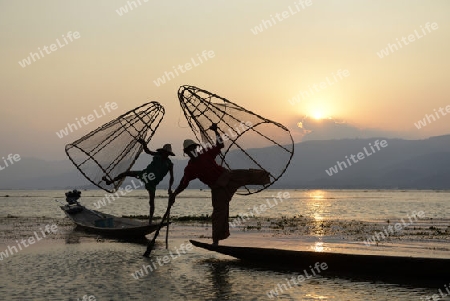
x=223 y=182
x=153 y=173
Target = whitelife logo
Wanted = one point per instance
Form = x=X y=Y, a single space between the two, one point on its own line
x=49 y=49
x=11 y=250
x=167 y=76
x=391 y=48
x=146 y=269
x=266 y=24
x=107 y=108
x=11 y=158
x=430 y=118
x=257 y=210
x=315 y=88
x=360 y=155
x=392 y=229
x=107 y=199
x=281 y=287
x=131 y=5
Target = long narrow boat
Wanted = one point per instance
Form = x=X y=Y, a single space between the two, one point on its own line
x=106 y=224
x=377 y=266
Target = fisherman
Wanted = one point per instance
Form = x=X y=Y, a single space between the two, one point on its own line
x=153 y=174
x=223 y=182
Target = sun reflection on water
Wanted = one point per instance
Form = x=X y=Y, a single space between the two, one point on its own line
x=316 y=297
x=317 y=194
x=318 y=246
x=316 y=204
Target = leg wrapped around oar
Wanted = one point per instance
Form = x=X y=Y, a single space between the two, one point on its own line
x=152 y=242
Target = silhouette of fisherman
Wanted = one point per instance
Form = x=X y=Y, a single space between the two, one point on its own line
x=223 y=182
x=153 y=173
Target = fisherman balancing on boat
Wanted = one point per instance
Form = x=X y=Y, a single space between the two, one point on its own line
x=223 y=182
x=153 y=174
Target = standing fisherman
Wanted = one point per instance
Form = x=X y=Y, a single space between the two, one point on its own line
x=153 y=174
x=223 y=182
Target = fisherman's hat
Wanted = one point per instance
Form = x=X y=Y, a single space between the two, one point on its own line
x=189 y=142
x=167 y=148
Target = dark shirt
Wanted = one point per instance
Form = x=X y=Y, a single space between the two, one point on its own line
x=159 y=167
x=204 y=167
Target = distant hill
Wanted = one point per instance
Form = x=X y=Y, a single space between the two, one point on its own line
x=402 y=164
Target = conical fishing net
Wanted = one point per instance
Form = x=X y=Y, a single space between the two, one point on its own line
x=251 y=141
x=113 y=148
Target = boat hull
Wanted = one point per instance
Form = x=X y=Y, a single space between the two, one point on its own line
x=377 y=266
x=120 y=227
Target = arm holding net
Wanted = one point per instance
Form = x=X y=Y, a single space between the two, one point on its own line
x=251 y=141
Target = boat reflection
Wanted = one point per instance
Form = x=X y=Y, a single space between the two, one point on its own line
x=220 y=276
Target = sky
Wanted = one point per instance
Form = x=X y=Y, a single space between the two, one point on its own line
x=322 y=68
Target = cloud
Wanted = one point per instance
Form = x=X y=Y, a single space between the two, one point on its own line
x=325 y=129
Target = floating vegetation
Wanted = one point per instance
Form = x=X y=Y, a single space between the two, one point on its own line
x=349 y=230
x=187 y=218
x=190 y=218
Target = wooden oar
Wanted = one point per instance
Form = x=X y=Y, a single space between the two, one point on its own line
x=152 y=242
x=167 y=231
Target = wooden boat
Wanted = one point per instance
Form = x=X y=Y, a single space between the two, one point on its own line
x=106 y=224
x=374 y=266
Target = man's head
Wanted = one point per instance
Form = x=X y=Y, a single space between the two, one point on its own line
x=190 y=148
x=166 y=150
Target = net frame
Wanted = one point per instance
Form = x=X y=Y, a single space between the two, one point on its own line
x=191 y=103
x=153 y=111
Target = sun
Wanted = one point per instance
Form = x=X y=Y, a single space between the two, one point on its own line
x=319 y=109
x=318 y=115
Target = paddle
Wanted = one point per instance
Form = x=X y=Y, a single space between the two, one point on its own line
x=167 y=231
x=152 y=242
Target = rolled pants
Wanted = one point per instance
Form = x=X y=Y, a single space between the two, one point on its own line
x=222 y=192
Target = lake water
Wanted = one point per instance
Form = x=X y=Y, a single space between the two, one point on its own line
x=70 y=265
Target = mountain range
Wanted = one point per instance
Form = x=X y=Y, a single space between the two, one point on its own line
x=324 y=164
